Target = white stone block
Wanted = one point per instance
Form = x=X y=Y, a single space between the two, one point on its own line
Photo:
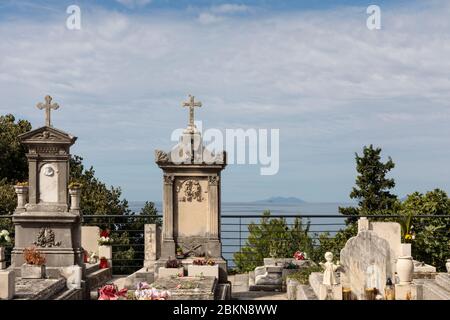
x=206 y=271
x=89 y=238
x=105 y=252
x=170 y=272
x=7 y=284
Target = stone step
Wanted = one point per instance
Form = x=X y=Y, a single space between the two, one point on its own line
x=98 y=278
x=443 y=279
x=91 y=268
x=433 y=291
x=70 y=294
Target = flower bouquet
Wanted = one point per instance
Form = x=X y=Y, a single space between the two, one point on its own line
x=299 y=255
x=105 y=239
x=5 y=239
x=146 y=292
x=111 y=292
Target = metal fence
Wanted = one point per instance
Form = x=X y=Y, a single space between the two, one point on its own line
x=128 y=232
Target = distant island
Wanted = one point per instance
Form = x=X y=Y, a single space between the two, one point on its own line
x=281 y=200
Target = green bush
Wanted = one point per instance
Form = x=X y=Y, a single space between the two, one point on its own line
x=272 y=237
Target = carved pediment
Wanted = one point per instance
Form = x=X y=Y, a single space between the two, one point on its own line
x=47 y=135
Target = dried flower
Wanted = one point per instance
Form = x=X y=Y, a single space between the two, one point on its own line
x=33 y=256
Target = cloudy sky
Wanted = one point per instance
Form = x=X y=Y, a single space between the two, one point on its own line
x=309 y=68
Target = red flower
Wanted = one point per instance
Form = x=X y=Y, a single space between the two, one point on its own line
x=299 y=255
x=103 y=263
x=105 y=233
x=111 y=292
x=85 y=256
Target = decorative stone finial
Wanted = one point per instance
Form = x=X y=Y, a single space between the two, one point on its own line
x=48 y=106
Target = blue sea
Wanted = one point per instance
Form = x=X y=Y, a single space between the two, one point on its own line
x=235 y=229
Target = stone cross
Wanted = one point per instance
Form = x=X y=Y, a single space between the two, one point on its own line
x=48 y=106
x=191 y=104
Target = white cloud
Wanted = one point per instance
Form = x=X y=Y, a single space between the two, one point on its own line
x=230 y=8
x=134 y=3
x=327 y=82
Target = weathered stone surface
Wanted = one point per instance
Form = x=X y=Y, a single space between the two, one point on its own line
x=152 y=245
x=164 y=272
x=408 y=292
x=7 y=284
x=38 y=289
x=29 y=271
x=205 y=271
x=324 y=292
x=366 y=261
x=196 y=288
x=89 y=238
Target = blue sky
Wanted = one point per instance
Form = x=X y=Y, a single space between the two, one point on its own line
x=310 y=68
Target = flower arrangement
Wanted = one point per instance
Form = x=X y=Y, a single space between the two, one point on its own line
x=105 y=239
x=4 y=238
x=173 y=263
x=180 y=253
x=299 y=255
x=204 y=262
x=75 y=185
x=111 y=292
x=33 y=256
x=146 y=292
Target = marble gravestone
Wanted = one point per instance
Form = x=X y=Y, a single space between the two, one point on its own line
x=46 y=219
x=191 y=198
x=366 y=263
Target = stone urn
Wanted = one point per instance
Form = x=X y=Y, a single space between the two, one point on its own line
x=22 y=196
x=75 y=197
x=405 y=269
x=447 y=265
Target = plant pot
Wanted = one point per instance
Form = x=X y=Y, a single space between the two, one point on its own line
x=105 y=252
x=31 y=271
x=205 y=271
x=164 y=272
x=405 y=269
x=447 y=265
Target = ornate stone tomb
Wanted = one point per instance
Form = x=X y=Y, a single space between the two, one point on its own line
x=191 y=197
x=47 y=221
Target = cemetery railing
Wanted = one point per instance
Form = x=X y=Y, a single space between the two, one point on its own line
x=128 y=232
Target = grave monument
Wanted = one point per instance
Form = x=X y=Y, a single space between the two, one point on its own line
x=45 y=216
x=191 y=199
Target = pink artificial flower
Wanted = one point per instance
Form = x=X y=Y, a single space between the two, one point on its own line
x=298 y=255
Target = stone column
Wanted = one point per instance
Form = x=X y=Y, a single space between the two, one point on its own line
x=168 y=207
x=33 y=173
x=168 y=245
x=213 y=225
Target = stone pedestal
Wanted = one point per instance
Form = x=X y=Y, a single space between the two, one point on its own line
x=46 y=221
x=7 y=284
x=2 y=258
